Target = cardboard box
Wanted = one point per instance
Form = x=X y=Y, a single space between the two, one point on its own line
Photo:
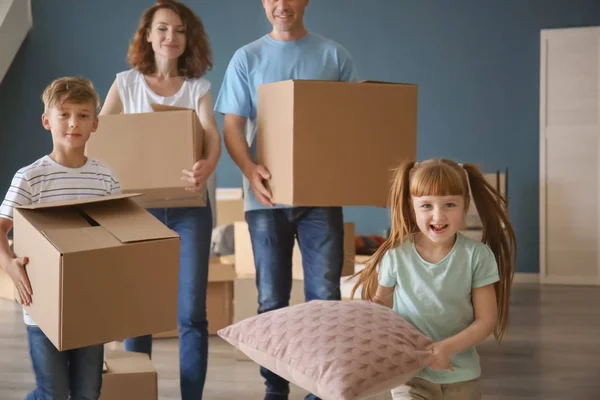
x=127 y=376
x=219 y=297
x=244 y=255
x=148 y=151
x=100 y=269
x=230 y=206
x=335 y=143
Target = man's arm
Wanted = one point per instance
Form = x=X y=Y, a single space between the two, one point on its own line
x=237 y=147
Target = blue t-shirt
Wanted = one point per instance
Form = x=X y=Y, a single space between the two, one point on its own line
x=436 y=297
x=268 y=60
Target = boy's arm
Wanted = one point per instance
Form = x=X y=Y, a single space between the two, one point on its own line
x=112 y=103
x=14 y=267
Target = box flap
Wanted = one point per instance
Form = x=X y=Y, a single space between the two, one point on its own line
x=218 y=272
x=123 y=362
x=387 y=83
x=161 y=107
x=79 y=201
x=128 y=222
x=81 y=239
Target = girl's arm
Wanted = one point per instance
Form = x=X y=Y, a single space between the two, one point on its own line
x=384 y=296
x=486 y=314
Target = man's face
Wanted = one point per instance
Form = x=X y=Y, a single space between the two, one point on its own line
x=285 y=15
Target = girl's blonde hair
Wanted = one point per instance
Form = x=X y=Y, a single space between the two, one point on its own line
x=440 y=177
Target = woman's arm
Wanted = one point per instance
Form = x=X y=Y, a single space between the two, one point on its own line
x=202 y=169
x=112 y=104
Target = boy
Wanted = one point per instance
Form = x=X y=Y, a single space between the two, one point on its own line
x=70 y=113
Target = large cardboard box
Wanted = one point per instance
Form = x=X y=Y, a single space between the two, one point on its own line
x=334 y=143
x=148 y=151
x=127 y=376
x=100 y=269
x=244 y=255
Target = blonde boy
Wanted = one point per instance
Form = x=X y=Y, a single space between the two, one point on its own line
x=70 y=113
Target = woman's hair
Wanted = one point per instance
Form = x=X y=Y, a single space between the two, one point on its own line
x=196 y=59
x=440 y=177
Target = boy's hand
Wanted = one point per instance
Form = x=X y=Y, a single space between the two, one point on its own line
x=16 y=270
x=441 y=358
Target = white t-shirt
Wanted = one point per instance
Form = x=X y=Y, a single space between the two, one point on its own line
x=46 y=181
x=137 y=97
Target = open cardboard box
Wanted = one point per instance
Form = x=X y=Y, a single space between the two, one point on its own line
x=147 y=152
x=101 y=269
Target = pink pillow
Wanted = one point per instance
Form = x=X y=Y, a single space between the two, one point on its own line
x=337 y=350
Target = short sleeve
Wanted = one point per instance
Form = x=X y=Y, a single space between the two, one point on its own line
x=388 y=271
x=234 y=96
x=485 y=267
x=115 y=186
x=18 y=194
x=348 y=70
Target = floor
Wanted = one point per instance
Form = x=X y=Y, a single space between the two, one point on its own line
x=551 y=352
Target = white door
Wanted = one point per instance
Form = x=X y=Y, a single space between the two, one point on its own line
x=570 y=156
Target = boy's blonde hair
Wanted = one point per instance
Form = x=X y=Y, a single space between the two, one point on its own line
x=70 y=89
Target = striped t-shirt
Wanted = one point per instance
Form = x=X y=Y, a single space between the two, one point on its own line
x=46 y=181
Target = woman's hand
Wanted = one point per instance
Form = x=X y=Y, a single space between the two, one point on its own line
x=198 y=175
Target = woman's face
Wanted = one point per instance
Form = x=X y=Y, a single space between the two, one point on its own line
x=167 y=34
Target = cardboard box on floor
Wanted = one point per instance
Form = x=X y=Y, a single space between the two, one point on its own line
x=219 y=297
x=244 y=255
x=100 y=269
x=230 y=206
x=358 y=132
x=127 y=376
x=147 y=152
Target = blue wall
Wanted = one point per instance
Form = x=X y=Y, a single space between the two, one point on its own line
x=476 y=64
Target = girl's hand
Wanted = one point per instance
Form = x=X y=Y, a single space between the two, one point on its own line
x=441 y=357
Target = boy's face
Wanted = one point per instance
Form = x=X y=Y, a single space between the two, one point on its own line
x=71 y=124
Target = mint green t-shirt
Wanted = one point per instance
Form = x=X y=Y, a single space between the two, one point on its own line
x=436 y=298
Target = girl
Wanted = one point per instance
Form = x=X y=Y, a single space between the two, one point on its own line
x=169 y=55
x=453 y=289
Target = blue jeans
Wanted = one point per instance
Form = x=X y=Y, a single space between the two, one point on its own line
x=62 y=375
x=194 y=226
x=320 y=233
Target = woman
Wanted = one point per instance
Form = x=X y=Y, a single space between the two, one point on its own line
x=169 y=55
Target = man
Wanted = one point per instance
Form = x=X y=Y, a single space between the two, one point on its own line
x=288 y=52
